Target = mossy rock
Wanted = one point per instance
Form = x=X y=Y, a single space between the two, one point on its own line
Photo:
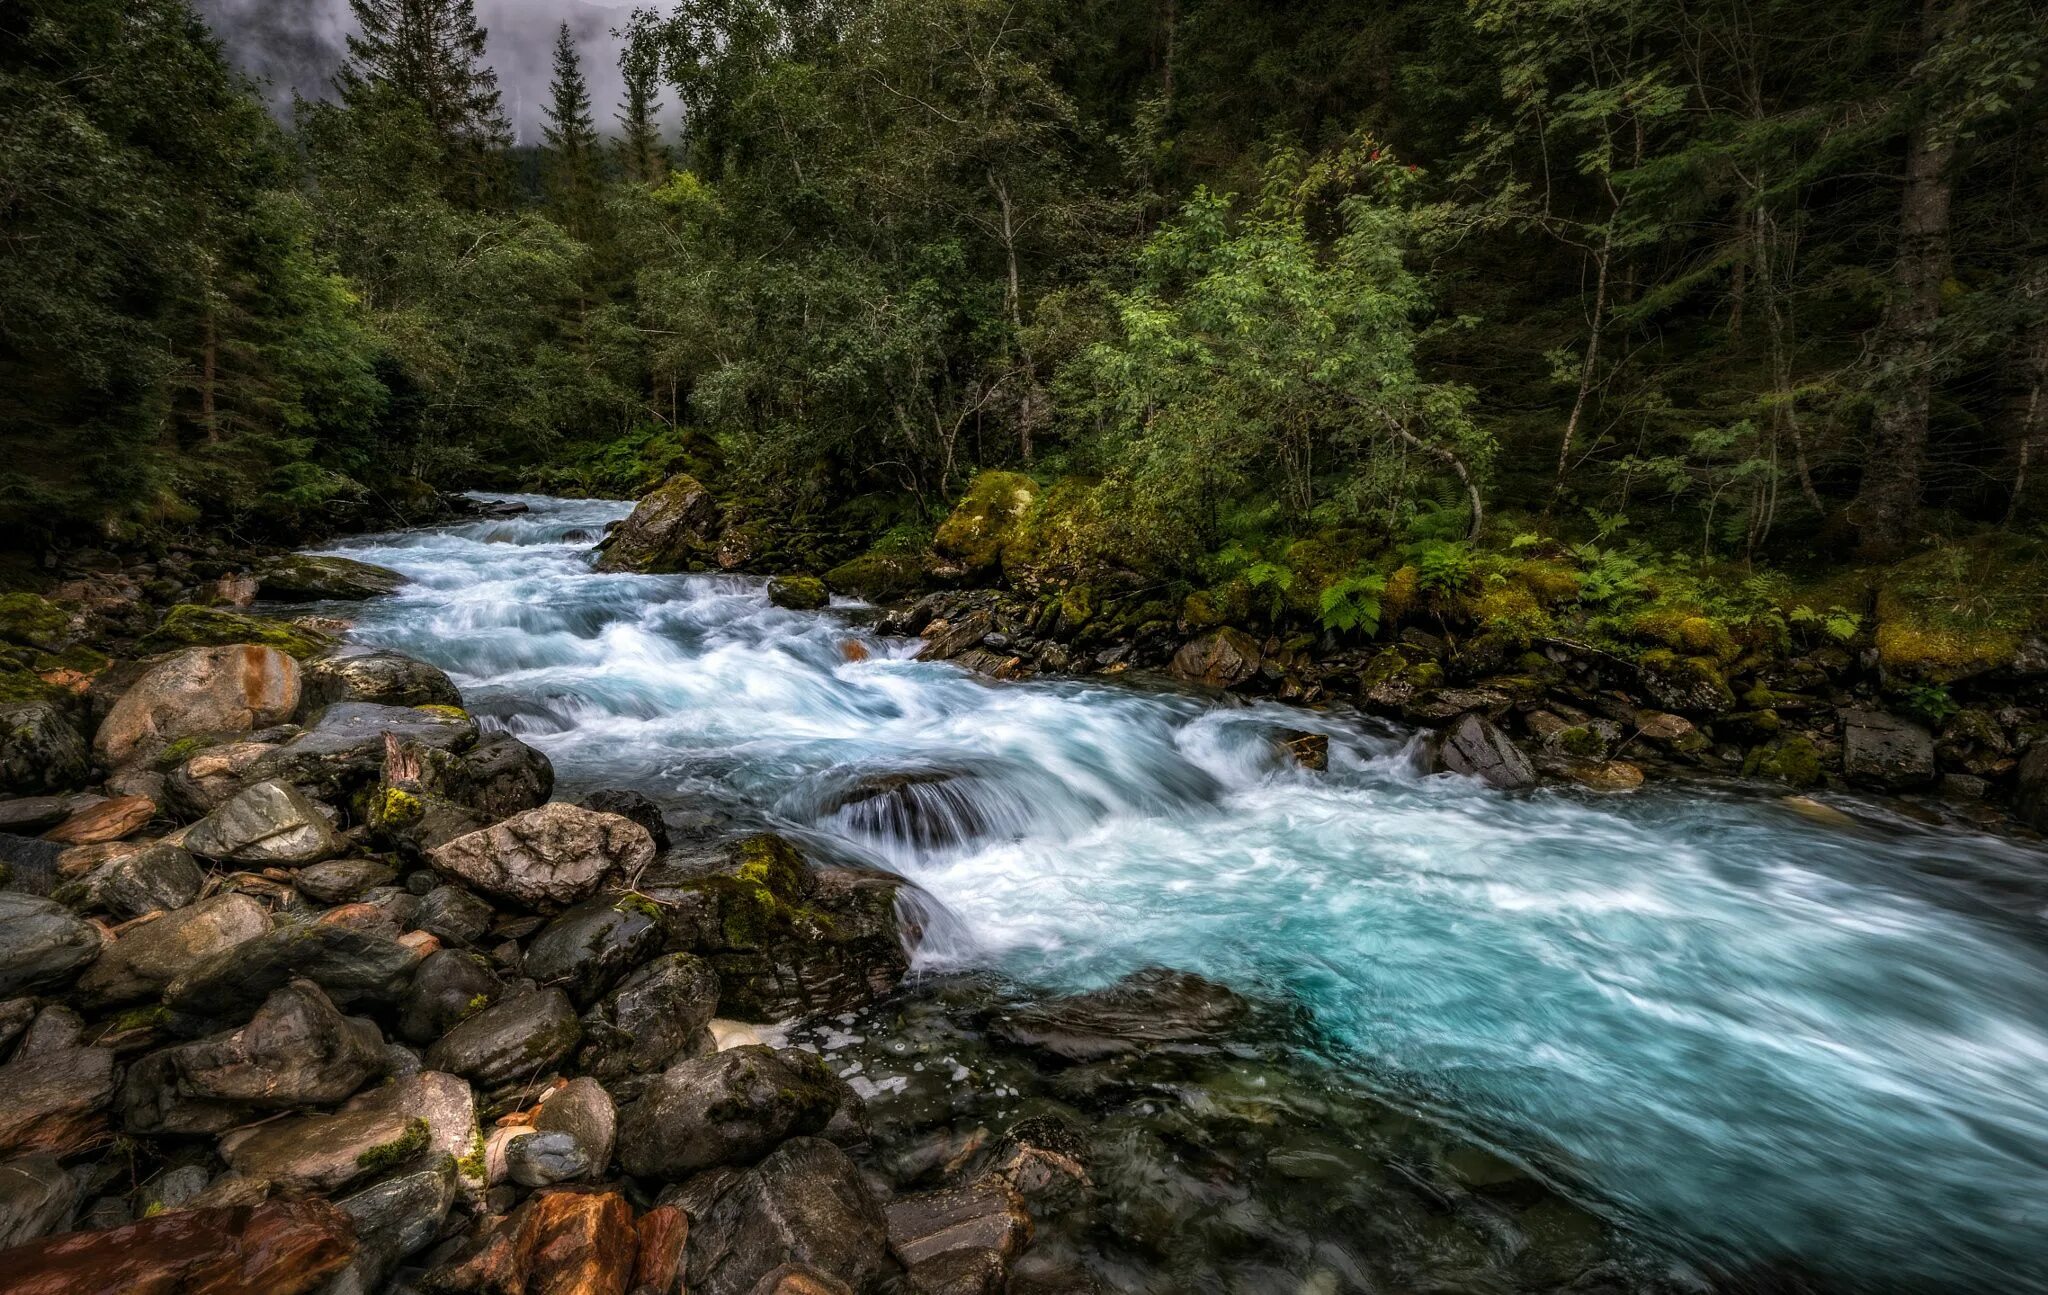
x=1794 y=761
x=798 y=593
x=1923 y=649
x=881 y=577
x=989 y=519
x=1512 y=612
x=34 y=621
x=18 y=684
x=1686 y=631
x=1551 y=584
x=1685 y=683
x=1079 y=604
x=187 y=625
x=1404 y=588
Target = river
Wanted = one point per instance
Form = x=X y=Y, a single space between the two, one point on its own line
x=1747 y=1036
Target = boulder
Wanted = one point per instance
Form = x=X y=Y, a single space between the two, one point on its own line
x=207 y=779
x=988 y=530
x=652 y=1019
x=633 y=805
x=394 y=1220
x=450 y=986
x=672 y=528
x=55 y=1093
x=959 y=1238
x=2030 y=789
x=40 y=749
x=806 y=1204
x=342 y=881
x=29 y=865
x=407 y=1123
x=296 y=1051
x=947 y=639
x=42 y=945
x=1222 y=658
x=190 y=625
x=429 y=797
x=586 y=949
x=271 y=824
x=1883 y=751
x=1475 y=747
x=731 y=1107
x=157 y=876
x=306 y=577
x=1309 y=750
x=454 y=915
x=232 y=689
x=349 y=965
x=517 y=1038
x=660 y=1237
x=1150 y=1008
x=29 y=814
x=797 y=593
x=550 y=856
x=276 y=1248
x=37 y=1197
x=149 y=957
x=1692 y=684
x=565 y=1241
x=109 y=820
x=572 y=1137
x=381 y=677
x=343 y=751
x=1604 y=775
x=799 y=1279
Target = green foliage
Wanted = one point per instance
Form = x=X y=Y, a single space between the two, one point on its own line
x=1444 y=568
x=1931 y=704
x=1837 y=623
x=1352 y=604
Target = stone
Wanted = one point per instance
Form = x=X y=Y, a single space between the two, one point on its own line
x=797 y=593
x=948 y=638
x=930 y=809
x=297 y=1050
x=30 y=865
x=30 y=814
x=586 y=949
x=394 y=1220
x=518 y=1038
x=40 y=749
x=966 y=1271
x=554 y=855
x=804 y=1204
x=986 y=1216
x=233 y=689
x=55 y=1093
x=799 y=1279
x=660 y=1238
x=1604 y=775
x=732 y=1107
x=2030 y=787
x=277 y=1248
x=1675 y=733
x=1475 y=747
x=1044 y=1159
x=673 y=527
x=350 y=966
x=1883 y=751
x=42 y=945
x=156 y=877
x=1693 y=684
x=149 y=957
x=307 y=577
x=565 y=1241
x=342 y=881
x=1309 y=750
x=343 y=751
x=450 y=986
x=454 y=915
x=202 y=783
x=381 y=677
x=390 y=1128
x=1222 y=658
x=37 y=1197
x=110 y=820
x=1149 y=1008
x=190 y=625
x=268 y=824
x=651 y=1018
x=633 y=805
x=581 y=1123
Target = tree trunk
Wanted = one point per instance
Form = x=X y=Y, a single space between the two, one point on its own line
x=1602 y=259
x=2033 y=429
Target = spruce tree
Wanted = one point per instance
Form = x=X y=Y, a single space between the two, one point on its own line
x=571 y=140
x=641 y=154
x=430 y=52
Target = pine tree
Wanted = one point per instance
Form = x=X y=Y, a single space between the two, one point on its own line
x=431 y=53
x=641 y=154
x=571 y=140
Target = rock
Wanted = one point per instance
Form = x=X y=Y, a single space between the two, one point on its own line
x=344 y=750
x=553 y=855
x=349 y=965
x=29 y=865
x=42 y=946
x=234 y=689
x=1222 y=658
x=670 y=529
x=188 y=625
x=566 y=1241
x=149 y=957
x=572 y=1137
x=660 y=1237
x=633 y=805
x=277 y=1248
x=518 y=1038
x=1604 y=775
x=55 y=1092
x=428 y=797
x=202 y=783
x=592 y=944
x=732 y=1107
x=110 y=820
x=965 y=1271
x=454 y=915
x=1309 y=750
x=799 y=1279
x=1679 y=683
x=1675 y=733
x=946 y=639
x=1476 y=747
x=155 y=877
x=270 y=823
x=380 y=677
x=651 y=1019
x=296 y=1051
x=40 y=750
x=805 y=1204
x=1883 y=751
x=797 y=593
x=929 y=809
x=988 y=529
x=450 y=986
x=393 y=1220
x=343 y=880
x=1148 y=1008
x=986 y=1217
x=37 y=1197
x=1044 y=1159
x=393 y=1127
x=881 y=576
x=2030 y=788
x=31 y=814
x=305 y=577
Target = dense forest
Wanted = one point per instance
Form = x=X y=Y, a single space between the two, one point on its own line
x=1273 y=297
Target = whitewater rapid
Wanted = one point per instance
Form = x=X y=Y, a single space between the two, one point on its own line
x=1757 y=1037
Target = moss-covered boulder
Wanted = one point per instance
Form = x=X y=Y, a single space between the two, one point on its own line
x=304 y=577
x=673 y=529
x=31 y=620
x=1393 y=680
x=991 y=520
x=798 y=593
x=1793 y=760
x=189 y=625
x=1919 y=646
x=879 y=577
x=1691 y=684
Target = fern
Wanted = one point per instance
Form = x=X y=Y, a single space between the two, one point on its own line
x=1353 y=603
x=1444 y=567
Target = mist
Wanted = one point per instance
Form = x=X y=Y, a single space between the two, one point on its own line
x=295 y=46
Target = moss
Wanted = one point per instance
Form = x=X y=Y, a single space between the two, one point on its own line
x=25 y=685
x=1202 y=610
x=390 y=1155
x=1551 y=583
x=1079 y=604
x=1693 y=683
x=989 y=520
x=184 y=749
x=141 y=1018
x=441 y=711
x=1684 y=629
x=1513 y=612
x=798 y=593
x=635 y=902
x=1404 y=586
x=1581 y=740
x=472 y=1165
x=397 y=807
x=1923 y=648
x=33 y=621
x=879 y=576
x=476 y=1004
x=1794 y=760
x=187 y=625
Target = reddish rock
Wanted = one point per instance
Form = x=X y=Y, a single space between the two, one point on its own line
x=230 y=689
x=1222 y=659
x=582 y=1243
x=110 y=820
x=662 y=1233
x=280 y=1248
x=798 y=1279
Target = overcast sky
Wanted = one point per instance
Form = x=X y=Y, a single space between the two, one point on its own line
x=295 y=45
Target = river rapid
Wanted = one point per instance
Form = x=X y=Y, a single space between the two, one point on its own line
x=1749 y=1039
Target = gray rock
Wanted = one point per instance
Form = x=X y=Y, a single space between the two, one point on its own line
x=42 y=945
x=582 y=1112
x=586 y=949
x=1148 y=1008
x=454 y=915
x=451 y=986
x=271 y=824
x=1475 y=747
x=28 y=864
x=37 y=1197
x=394 y=1220
x=55 y=1092
x=732 y=1107
x=544 y=1159
x=673 y=527
x=1883 y=751
x=651 y=1019
x=985 y=1216
x=149 y=957
x=805 y=1204
x=306 y=577
x=202 y=690
x=633 y=805
x=349 y=965
x=343 y=881
x=31 y=814
x=384 y=678
x=1223 y=658
x=204 y=781
x=40 y=749
x=2030 y=789
x=518 y=1038
x=157 y=877
x=401 y=1126
x=344 y=749
x=553 y=855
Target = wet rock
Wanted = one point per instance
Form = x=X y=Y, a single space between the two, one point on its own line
x=586 y=949
x=407 y=1123
x=1674 y=733
x=154 y=877
x=450 y=986
x=928 y=809
x=304 y=577
x=633 y=805
x=2030 y=789
x=271 y=823
x=278 y=1248
x=342 y=881
x=296 y=1051
x=393 y=1221
x=660 y=1237
x=1045 y=1160
x=572 y=1137
x=1604 y=775
x=985 y=1217
x=556 y=854
x=799 y=1279
x=805 y=1204
x=798 y=593
x=1881 y=750
x=55 y=1092
x=33 y=814
x=1222 y=658
x=519 y=1038
x=651 y=1019
x=732 y=1107
x=42 y=946
x=565 y=1241
x=205 y=781
x=1475 y=747
x=454 y=915
x=349 y=965
x=669 y=530
x=380 y=677
x=343 y=751
x=149 y=957
x=1309 y=750
x=429 y=797
x=1147 y=1008
x=949 y=638
x=40 y=750
x=37 y=1197
x=110 y=820
x=28 y=864
x=233 y=689
x=1693 y=684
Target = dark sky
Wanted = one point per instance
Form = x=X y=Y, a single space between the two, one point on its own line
x=297 y=44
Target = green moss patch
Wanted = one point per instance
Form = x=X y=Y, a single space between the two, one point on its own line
x=188 y=625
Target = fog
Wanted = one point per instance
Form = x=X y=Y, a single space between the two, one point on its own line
x=294 y=47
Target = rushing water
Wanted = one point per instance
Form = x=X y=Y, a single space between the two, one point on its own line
x=1753 y=1036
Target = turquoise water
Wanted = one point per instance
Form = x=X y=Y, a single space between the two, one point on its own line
x=1757 y=1038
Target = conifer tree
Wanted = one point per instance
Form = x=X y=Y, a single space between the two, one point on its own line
x=430 y=52
x=571 y=140
x=641 y=154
